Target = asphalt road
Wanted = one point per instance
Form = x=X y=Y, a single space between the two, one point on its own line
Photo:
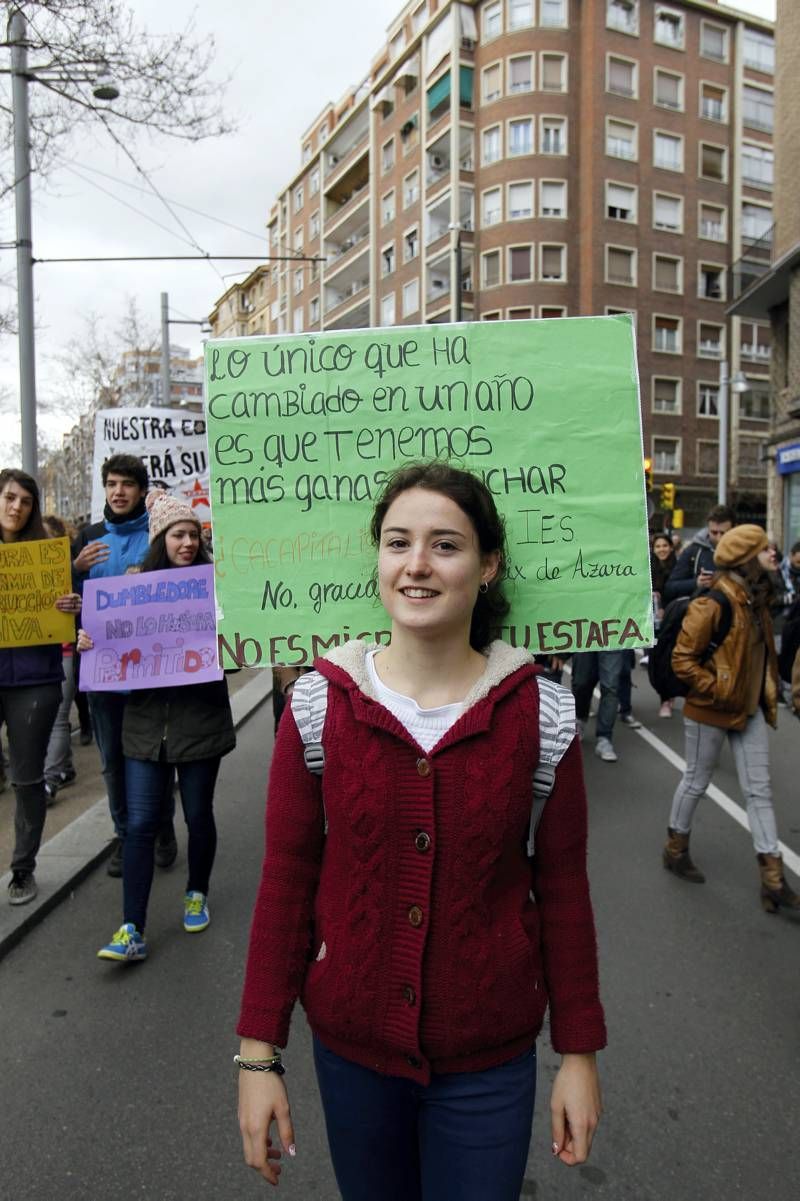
x=117 y=1083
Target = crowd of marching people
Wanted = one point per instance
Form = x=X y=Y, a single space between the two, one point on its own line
x=446 y=714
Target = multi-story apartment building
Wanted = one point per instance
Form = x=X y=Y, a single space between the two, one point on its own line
x=550 y=158
x=772 y=291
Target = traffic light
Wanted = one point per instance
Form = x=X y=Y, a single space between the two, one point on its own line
x=668 y=497
x=648 y=474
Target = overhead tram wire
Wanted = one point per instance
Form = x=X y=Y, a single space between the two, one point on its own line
x=181 y=258
x=118 y=142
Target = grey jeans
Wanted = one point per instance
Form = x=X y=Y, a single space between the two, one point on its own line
x=29 y=713
x=750 y=748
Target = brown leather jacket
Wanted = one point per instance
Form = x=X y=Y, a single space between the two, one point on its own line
x=718 y=687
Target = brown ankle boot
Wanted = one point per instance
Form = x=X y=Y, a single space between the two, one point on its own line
x=676 y=858
x=775 y=892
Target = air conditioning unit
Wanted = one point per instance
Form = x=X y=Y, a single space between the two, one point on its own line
x=333 y=160
x=438 y=161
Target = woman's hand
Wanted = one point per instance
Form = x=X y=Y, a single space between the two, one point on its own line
x=69 y=603
x=575 y=1108
x=84 y=642
x=262 y=1099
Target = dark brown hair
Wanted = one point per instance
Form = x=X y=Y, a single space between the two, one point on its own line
x=720 y=514
x=156 y=557
x=127 y=465
x=473 y=498
x=34 y=526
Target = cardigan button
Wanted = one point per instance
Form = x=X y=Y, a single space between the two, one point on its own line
x=422 y=842
x=413 y=1062
x=409 y=996
x=415 y=916
x=423 y=767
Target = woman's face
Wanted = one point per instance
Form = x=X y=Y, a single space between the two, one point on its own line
x=662 y=548
x=430 y=565
x=181 y=543
x=16 y=506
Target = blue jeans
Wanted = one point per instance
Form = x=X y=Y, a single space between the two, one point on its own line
x=146 y=782
x=588 y=668
x=107 y=710
x=463 y=1137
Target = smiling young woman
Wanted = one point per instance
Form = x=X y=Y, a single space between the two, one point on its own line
x=30 y=694
x=429 y=968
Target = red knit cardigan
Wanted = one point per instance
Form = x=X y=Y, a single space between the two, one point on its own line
x=413 y=941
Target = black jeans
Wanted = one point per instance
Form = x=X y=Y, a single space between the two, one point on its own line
x=29 y=713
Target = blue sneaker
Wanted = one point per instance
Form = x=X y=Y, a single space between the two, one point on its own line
x=126 y=946
x=195 y=912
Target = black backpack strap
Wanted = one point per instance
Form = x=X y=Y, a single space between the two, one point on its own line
x=725 y=621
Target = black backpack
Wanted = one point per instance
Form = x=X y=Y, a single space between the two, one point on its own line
x=659 y=665
x=790 y=641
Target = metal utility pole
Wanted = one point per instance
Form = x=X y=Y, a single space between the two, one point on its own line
x=22 y=196
x=722 y=484
x=165 y=381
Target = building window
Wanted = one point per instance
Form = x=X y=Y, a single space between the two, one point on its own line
x=520 y=73
x=713 y=162
x=298 y=239
x=751 y=457
x=621 y=76
x=712 y=222
x=669 y=28
x=714 y=41
x=756 y=222
x=313 y=310
x=755 y=342
x=707 y=399
x=668 y=151
x=667 y=273
x=490 y=144
x=713 y=102
x=754 y=404
x=298 y=282
x=494 y=316
x=710 y=340
x=520 y=201
x=387 y=155
x=553 y=72
x=620 y=139
x=306 y=152
x=623 y=15
x=758 y=51
x=553 y=135
x=491 y=207
x=491 y=83
x=552 y=198
x=298 y=198
x=520 y=13
x=387 y=309
x=667 y=333
x=620 y=202
x=410 y=245
x=620 y=265
x=387 y=260
x=553 y=262
x=313 y=182
x=667 y=455
x=711 y=281
x=493 y=19
x=667 y=213
x=313 y=226
x=409 y=133
x=520 y=136
x=419 y=17
x=707 y=457
x=523 y=314
x=758 y=108
x=410 y=297
x=668 y=90
x=297 y=320
x=552 y=14
x=387 y=208
x=411 y=188
x=550 y=312
x=666 y=395
x=520 y=264
x=490 y=268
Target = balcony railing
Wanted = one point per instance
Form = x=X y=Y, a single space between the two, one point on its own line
x=755 y=261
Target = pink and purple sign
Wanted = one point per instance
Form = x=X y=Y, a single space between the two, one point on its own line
x=153 y=630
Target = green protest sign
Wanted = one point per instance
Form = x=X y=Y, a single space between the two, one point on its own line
x=303 y=431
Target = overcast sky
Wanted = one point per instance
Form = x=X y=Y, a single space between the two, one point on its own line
x=286 y=61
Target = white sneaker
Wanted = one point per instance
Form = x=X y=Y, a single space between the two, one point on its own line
x=629 y=720
x=605 y=751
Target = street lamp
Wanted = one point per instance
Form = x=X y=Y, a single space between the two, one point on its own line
x=21 y=76
x=737 y=385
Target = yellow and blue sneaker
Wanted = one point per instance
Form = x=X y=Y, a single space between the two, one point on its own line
x=195 y=912
x=126 y=946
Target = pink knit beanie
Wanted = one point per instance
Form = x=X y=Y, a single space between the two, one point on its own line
x=167 y=510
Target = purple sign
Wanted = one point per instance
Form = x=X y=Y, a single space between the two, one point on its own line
x=153 y=630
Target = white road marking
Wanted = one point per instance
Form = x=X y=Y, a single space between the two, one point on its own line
x=790 y=859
